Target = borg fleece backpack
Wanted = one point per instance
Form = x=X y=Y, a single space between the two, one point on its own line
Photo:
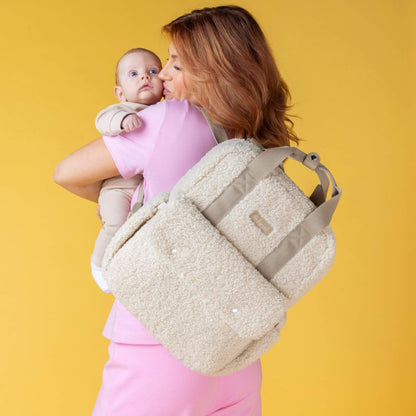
x=212 y=267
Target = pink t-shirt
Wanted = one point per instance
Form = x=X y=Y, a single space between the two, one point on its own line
x=173 y=137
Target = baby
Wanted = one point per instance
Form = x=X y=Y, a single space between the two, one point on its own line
x=137 y=86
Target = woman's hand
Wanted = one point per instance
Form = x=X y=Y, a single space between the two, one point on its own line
x=83 y=171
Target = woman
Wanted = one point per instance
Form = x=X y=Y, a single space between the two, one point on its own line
x=218 y=60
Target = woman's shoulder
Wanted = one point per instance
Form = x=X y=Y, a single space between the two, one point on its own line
x=173 y=115
x=172 y=106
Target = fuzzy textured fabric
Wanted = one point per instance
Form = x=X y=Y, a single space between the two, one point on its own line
x=195 y=286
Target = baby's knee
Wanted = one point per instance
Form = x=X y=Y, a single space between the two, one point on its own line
x=114 y=208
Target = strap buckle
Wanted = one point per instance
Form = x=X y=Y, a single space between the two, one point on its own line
x=312 y=160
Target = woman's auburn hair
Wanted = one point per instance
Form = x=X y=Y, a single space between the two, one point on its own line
x=233 y=74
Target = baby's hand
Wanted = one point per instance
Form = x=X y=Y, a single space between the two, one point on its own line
x=131 y=122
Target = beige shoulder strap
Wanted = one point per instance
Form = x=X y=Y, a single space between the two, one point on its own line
x=140 y=198
x=218 y=131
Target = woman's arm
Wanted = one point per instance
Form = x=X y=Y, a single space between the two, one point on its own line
x=83 y=171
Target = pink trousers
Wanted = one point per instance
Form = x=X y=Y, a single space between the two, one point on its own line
x=146 y=380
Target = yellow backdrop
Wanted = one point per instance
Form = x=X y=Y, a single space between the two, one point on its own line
x=349 y=346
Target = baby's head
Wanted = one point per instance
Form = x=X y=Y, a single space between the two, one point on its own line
x=137 y=78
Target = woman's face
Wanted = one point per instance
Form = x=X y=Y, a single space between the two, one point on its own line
x=174 y=77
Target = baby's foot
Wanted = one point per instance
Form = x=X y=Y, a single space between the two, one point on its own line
x=99 y=279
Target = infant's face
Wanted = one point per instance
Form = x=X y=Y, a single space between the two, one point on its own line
x=138 y=79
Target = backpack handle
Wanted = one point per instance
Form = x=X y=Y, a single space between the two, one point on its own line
x=258 y=169
x=262 y=166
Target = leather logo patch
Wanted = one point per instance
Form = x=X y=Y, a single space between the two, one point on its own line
x=260 y=222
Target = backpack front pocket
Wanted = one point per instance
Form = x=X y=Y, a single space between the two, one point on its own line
x=193 y=289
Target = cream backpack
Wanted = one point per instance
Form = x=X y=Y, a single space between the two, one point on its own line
x=212 y=267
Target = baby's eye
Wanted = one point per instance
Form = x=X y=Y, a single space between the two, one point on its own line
x=153 y=72
x=133 y=74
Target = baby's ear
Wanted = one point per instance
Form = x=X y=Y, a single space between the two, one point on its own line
x=118 y=92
